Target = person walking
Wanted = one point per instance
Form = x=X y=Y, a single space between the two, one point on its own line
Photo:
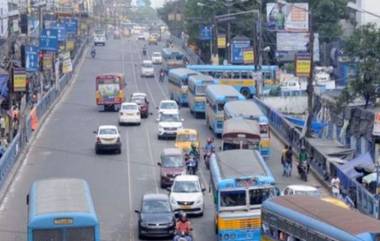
x=283 y=158
x=335 y=186
x=289 y=161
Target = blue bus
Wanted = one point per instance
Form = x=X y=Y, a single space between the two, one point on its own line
x=241 y=77
x=249 y=110
x=297 y=217
x=240 y=181
x=174 y=58
x=217 y=96
x=197 y=93
x=61 y=210
x=178 y=84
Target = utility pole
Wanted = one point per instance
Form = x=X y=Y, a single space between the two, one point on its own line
x=229 y=4
x=310 y=88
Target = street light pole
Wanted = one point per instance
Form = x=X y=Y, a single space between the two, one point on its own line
x=310 y=88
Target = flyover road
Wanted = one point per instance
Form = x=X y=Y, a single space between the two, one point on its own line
x=64 y=147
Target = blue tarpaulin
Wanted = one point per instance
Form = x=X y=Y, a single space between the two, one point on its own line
x=347 y=172
x=4 y=85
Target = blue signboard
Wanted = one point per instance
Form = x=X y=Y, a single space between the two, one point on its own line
x=205 y=33
x=49 y=40
x=62 y=35
x=237 y=50
x=31 y=58
x=71 y=25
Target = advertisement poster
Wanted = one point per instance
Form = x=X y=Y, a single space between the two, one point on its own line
x=248 y=56
x=19 y=80
x=237 y=49
x=289 y=17
x=47 y=61
x=221 y=41
x=67 y=66
x=288 y=44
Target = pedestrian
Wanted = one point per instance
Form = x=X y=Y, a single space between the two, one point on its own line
x=335 y=186
x=283 y=158
x=289 y=161
x=304 y=159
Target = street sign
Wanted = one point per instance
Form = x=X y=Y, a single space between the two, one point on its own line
x=49 y=40
x=71 y=25
x=205 y=33
x=237 y=48
x=62 y=35
x=303 y=65
x=221 y=41
x=19 y=80
x=67 y=66
x=31 y=58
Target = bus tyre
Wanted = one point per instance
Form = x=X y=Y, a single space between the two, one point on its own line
x=245 y=91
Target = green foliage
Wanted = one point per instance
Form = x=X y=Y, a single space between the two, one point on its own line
x=364 y=47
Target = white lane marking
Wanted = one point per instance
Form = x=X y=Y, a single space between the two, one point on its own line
x=131 y=238
x=152 y=160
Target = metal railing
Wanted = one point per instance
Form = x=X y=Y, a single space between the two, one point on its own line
x=25 y=133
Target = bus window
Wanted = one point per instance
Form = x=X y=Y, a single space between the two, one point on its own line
x=267 y=76
x=217 y=75
x=264 y=129
x=259 y=195
x=245 y=75
x=235 y=75
x=232 y=198
x=226 y=75
x=48 y=234
x=220 y=107
x=80 y=234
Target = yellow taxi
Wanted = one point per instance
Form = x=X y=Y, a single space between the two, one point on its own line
x=152 y=39
x=186 y=137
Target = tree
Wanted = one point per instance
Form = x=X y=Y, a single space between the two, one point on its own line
x=364 y=47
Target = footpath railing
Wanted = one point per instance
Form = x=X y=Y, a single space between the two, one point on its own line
x=321 y=166
x=25 y=133
x=194 y=58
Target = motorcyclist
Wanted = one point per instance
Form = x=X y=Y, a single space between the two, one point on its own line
x=144 y=50
x=93 y=51
x=209 y=147
x=183 y=225
x=162 y=75
x=195 y=154
x=191 y=164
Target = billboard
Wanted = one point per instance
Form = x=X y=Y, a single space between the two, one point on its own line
x=288 y=44
x=237 y=49
x=289 y=17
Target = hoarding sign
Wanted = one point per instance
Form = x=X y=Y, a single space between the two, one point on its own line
x=303 y=65
x=288 y=44
x=248 y=56
x=19 y=80
x=221 y=41
x=237 y=49
x=67 y=66
x=289 y=17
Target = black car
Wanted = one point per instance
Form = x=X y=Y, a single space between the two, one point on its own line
x=156 y=218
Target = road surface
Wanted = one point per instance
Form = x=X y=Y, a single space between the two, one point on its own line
x=64 y=147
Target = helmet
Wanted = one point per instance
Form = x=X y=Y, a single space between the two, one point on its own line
x=182 y=216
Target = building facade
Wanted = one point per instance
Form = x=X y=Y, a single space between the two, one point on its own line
x=369 y=6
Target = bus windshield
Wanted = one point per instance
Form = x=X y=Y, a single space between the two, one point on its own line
x=259 y=195
x=201 y=90
x=235 y=198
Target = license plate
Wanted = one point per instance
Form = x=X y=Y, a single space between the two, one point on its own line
x=185 y=207
x=130 y=114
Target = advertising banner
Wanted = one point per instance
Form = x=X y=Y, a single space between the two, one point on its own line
x=288 y=44
x=19 y=80
x=47 y=61
x=31 y=58
x=303 y=65
x=248 y=56
x=67 y=66
x=289 y=17
x=221 y=41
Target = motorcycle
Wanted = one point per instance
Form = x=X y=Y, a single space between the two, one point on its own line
x=93 y=53
x=191 y=166
x=162 y=76
x=144 y=52
x=183 y=237
x=302 y=171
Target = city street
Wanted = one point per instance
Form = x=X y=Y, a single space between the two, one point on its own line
x=64 y=147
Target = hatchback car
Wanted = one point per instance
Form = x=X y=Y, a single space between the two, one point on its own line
x=168 y=106
x=168 y=125
x=156 y=218
x=156 y=58
x=142 y=101
x=107 y=139
x=171 y=165
x=129 y=113
x=147 y=69
x=186 y=195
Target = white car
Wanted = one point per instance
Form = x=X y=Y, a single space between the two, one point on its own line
x=168 y=106
x=147 y=69
x=107 y=139
x=168 y=125
x=302 y=190
x=129 y=113
x=186 y=194
x=99 y=38
x=156 y=58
